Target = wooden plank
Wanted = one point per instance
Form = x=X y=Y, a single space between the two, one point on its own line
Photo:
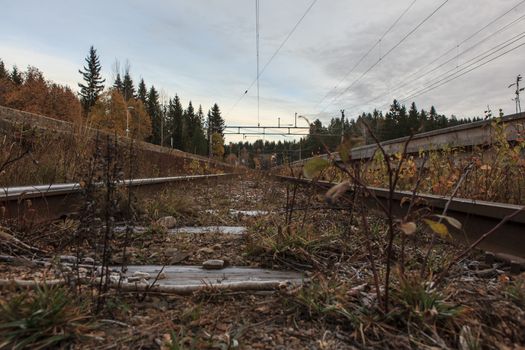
x=197 y=276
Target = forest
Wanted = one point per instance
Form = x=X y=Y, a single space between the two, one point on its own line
x=139 y=111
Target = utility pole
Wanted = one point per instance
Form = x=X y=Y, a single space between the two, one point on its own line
x=210 y=131
x=295 y=119
x=342 y=125
x=518 y=90
x=162 y=124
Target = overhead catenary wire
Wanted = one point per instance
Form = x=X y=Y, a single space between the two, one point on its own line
x=276 y=52
x=408 y=82
x=392 y=26
x=406 y=36
x=478 y=58
x=257 y=45
x=465 y=40
x=451 y=78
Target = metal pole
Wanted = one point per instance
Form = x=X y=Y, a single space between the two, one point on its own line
x=162 y=125
x=127 y=122
x=342 y=125
x=210 y=131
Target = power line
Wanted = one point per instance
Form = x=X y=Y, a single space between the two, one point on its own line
x=406 y=79
x=466 y=39
x=368 y=52
x=389 y=52
x=257 y=44
x=477 y=58
x=428 y=89
x=259 y=73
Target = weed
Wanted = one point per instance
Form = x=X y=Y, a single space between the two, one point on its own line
x=515 y=291
x=48 y=317
x=303 y=246
x=421 y=302
x=324 y=299
x=169 y=202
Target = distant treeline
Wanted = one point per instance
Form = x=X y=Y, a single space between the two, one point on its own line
x=397 y=122
x=139 y=112
x=120 y=107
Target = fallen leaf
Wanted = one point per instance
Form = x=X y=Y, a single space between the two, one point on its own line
x=452 y=221
x=438 y=228
x=408 y=228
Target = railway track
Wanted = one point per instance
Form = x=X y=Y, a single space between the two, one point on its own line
x=57 y=200
x=477 y=217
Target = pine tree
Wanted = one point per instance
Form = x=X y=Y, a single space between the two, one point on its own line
x=189 y=128
x=128 y=90
x=217 y=123
x=155 y=114
x=142 y=93
x=94 y=84
x=432 y=119
x=16 y=76
x=3 y=71
x=117 y=84
x=175 y=122
x=413 y=118
x=199 y=139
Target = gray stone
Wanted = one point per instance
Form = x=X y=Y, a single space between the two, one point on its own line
x=213 y=264
x=141 y=274
x=88 y=261
x=167 y=222
x=68 y=259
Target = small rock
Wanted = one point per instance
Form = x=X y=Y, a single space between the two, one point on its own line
x=167 y=222
x=88 y=261
x=114 y=278
x=213 y=264
x=217 y=246
x=205 y=250
x=141 y=274
x=68 y=259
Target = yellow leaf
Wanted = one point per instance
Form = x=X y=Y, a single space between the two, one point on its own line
x=451 y=221
x=408 y=228
x=337 y=191
x=314 y=166
x=438 y=228
x=485 y=167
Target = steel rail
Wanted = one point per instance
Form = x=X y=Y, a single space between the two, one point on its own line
x=35 y=191
x=44 y=202
x=476 y=216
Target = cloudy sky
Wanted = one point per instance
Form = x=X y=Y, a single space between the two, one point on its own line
x=204 y=50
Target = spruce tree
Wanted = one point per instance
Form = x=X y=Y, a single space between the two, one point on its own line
x=128 y=90
x=175 y=120
x=414 y=122
x=217 y=123
x=200 y=139
x=142 y=93
x=94 y=84
x=189 y=128
x=117 y=84
x=16 y=76
x=154 y=112
x=3 y=71
x=432 y=119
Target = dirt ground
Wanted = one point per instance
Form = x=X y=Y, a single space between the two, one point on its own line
x=478 y=306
